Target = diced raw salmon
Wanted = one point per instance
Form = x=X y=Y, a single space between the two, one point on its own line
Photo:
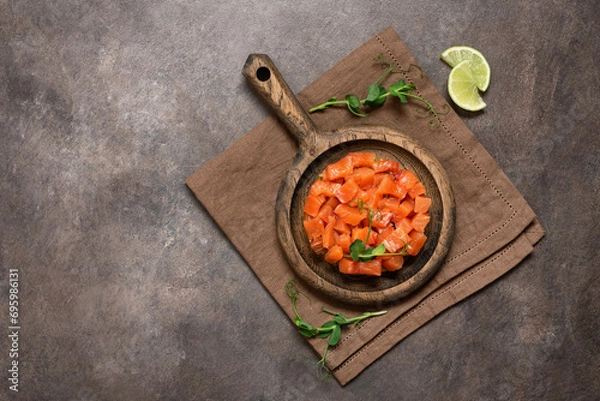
x=422 y=204
x=388 y=204
x=382 y=219
x=339 y=169
x=406 y=179
x=395 y=241
x=348 y=266
x=371 y=268
x=313 y=204
x=325 y=212
x=370 y=197
x=417 y=240
x=341 y=227
x=416 y=190
x=333 y=202
x=378 y=177
x=400 y=192
x=317 y=245
x=363 y=159
x=392 y=263
x=383 y=234
x=373 y=239
x=314 y=228
x=381 y=166
x=387 y=186
x=363 y=176
x=360 y=186
x=329 y=233
x=407 y=207
x=360 y=233
x=334 y=254
x=351 y=215
x=324 y=187
x=347 y=191
x=405 y=224
x=399 y=209
x=344 y=240
x=420 y=221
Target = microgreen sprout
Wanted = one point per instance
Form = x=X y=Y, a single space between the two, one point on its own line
x=377 y=94
x=330 y=330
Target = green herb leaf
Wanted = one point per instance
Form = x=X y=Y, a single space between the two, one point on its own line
x=328 y=325
x=373 y=92
x=379 y=250
x=353 y=101
x=326 y=329
x=375 y=96
x=305 y=328
x=367 y=255
x=354 y=105
x=336 y=334
x=356 y=249
x=400 y=88
x=306 y=332
x=340 y=319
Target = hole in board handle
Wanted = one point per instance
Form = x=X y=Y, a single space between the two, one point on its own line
x=263 y=74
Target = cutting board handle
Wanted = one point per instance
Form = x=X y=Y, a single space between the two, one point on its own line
x=261 y=73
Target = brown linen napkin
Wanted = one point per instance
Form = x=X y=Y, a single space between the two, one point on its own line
x=495 y=227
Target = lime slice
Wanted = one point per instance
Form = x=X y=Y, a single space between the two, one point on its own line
x=462 y=87
x=479 y=65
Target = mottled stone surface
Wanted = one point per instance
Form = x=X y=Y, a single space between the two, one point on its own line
x=129 y=291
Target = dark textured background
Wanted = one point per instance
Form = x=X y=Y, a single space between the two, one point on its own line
x=128 y=289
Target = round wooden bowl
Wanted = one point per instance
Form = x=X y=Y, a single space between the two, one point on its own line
x=317 y=150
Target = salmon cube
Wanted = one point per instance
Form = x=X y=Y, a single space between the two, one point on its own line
x=324 y=187
x=340 y=169
x=420 y=221
x=387 y=186
x=416 y=190
x=314 y=228
x=334 y=254
x=329 y=233
x=347 y=191
x=360 y=233
x=348 y=266
x=417 y=240
x=313 y=204
x=407 y=179
x=344 y=240
x=363 y=159
x=363 y=176
x=392 y=263
x=422 y=204
x=371 y=268
x=395 y=241
x=351 y=215
x=381 y=166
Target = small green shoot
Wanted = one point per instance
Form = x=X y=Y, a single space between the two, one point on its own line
x=377 y=94
x=330 y=330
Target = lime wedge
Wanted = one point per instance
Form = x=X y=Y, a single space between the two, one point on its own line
x=480 y=68
x=462 y=87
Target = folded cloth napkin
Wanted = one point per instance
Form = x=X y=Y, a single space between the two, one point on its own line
x=495 y=227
